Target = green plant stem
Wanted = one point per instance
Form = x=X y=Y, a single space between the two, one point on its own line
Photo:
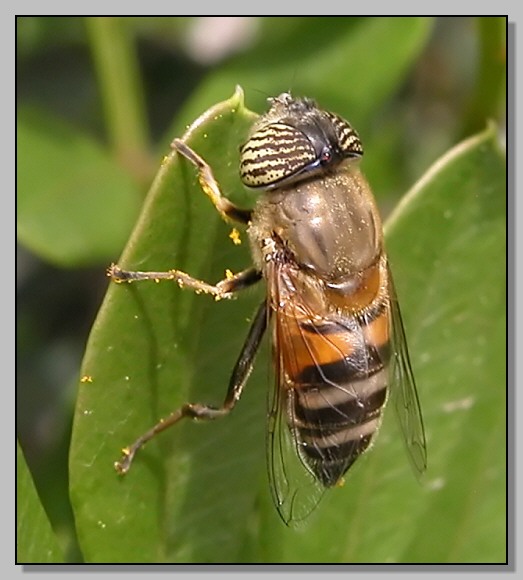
x=120 y=83
x=491 y=76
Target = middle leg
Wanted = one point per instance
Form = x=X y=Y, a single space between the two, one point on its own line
x=223 y=289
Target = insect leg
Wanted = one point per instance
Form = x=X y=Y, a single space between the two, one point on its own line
x=239 y=377
x=223 y=289
x=210 y=186
x=244 y=364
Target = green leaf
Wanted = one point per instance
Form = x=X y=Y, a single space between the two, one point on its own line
x=449 y=238
x=446 y=244
x=152 y=348
x=36 y=542
x=348 y=64
x=199 y=493
x=74 y=205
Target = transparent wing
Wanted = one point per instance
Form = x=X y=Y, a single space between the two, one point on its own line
x=403 y=390
x=296 y=488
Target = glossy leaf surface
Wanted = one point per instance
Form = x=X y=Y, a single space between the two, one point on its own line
x=36 y=542
x=198 y=493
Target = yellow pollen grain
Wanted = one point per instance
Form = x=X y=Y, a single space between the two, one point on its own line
x=235 y=237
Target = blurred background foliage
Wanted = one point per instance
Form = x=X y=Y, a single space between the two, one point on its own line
x=99 y=100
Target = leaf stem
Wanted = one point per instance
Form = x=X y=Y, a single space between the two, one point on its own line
x=120 y=83
x=490 y=89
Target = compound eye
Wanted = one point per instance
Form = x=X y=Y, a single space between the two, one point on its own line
x=274 y=153
x=348 y=140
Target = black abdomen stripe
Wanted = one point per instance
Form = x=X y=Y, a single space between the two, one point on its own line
x=331 y=463
x=361 y=365
x=348 y=410
x=336 y=406
x=334 y=425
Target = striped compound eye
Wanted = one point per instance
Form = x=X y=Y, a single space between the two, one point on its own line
x=348 y=140
x=273 y=153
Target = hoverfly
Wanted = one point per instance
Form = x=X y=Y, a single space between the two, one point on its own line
x=338 y=341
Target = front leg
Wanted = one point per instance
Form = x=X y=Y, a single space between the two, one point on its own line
x=210 y=186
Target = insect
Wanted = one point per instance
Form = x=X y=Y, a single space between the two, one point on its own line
x=339 y=346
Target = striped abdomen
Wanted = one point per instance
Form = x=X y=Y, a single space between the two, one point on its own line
x=337 y=373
